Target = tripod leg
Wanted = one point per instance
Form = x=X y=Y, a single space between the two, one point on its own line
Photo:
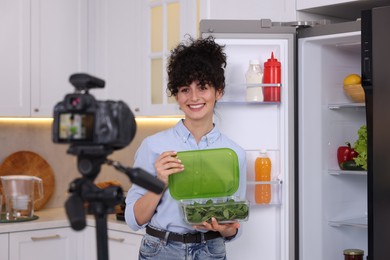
x=101 y=236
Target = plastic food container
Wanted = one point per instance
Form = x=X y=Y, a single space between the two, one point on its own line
x=225 y=210
x=206 y=186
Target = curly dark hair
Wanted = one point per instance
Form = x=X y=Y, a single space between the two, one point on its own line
x=200 y=60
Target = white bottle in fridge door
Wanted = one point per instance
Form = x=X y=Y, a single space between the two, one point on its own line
x=254 y=77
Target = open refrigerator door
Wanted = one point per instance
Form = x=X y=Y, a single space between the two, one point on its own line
x=332 y=201
x=257 y=125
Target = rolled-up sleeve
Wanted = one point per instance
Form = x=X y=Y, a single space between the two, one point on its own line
x=145 y=160
x=133 y=195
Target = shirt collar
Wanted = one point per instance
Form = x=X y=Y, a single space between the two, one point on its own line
x=185 y=134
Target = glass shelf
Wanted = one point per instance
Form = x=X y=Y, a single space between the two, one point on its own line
x=342 y=172
x=357 y=106
x=360 y=222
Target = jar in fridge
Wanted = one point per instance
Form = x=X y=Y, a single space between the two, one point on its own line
x=353 y=254
x=254 y=77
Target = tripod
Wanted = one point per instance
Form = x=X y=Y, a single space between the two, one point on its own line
x=100 y=201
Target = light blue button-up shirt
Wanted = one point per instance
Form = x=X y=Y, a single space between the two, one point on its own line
x=168 y=215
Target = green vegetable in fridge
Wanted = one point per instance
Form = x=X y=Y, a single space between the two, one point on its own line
x=350 y=166
x=360 y=147
x=230 y=210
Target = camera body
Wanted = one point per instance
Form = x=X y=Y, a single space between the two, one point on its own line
x=82 y=120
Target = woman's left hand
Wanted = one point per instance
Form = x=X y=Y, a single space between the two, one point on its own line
x=226 y=230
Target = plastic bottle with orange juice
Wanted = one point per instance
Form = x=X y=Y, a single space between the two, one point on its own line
x=263 y=173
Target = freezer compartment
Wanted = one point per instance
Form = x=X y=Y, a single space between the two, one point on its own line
x=225 y=210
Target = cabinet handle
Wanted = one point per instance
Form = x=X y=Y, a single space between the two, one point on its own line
x=120 y=240
x=45 y=238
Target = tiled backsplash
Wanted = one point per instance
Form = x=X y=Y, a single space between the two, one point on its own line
x=35 y=136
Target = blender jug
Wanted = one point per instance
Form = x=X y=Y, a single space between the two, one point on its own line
x=19 y=195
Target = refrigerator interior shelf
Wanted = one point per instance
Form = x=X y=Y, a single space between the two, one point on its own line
x=357 y=106
x=360 y=222
x=342 y=172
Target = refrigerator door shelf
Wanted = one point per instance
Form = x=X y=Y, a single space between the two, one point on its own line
x=274 y=186
x=236 y=93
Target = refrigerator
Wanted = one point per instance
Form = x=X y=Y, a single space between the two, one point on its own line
x=317 y=210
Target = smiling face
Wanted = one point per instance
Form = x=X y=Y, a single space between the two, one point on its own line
x=197 y=101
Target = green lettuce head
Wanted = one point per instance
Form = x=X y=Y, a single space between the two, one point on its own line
x=360 y=147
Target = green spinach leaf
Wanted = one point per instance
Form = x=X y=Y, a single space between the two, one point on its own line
x=228 y=211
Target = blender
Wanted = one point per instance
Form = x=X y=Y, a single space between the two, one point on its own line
x=19 y=195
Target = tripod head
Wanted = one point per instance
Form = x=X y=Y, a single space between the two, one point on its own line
x=100 y=201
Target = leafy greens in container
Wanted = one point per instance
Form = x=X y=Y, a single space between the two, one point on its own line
x=205 y=188
x=225 y=210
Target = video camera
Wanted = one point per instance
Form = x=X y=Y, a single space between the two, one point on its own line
x=82 y=120
x=94 y=129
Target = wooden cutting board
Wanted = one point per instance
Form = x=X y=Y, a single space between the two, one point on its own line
x=30 y=164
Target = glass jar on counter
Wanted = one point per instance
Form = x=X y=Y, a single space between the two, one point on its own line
x=353 y=254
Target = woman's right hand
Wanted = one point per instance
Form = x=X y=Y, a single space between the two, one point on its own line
x=166 y=164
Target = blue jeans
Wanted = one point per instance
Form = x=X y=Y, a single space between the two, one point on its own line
x=156 y=248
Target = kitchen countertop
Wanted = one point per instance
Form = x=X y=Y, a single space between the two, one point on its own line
x=57 y=218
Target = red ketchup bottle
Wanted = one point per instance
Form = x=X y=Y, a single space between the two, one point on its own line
x=272 y=76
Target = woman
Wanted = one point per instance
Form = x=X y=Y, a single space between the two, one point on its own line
x=196 y=80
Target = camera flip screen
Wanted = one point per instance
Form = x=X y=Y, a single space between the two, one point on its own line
x=76 y=127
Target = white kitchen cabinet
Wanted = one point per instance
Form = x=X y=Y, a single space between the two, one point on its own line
x=334 y=10
x=4 y=246
x=115 y=50
x=276 y=10
x=43 y=43
x=46 y=244
x=15 y=57
x=121 y=245
x=305 y=4
x=59 y=39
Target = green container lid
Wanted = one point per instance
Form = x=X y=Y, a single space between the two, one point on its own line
x=207 y=174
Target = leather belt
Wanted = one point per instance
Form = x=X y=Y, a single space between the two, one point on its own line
x=184 y=238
